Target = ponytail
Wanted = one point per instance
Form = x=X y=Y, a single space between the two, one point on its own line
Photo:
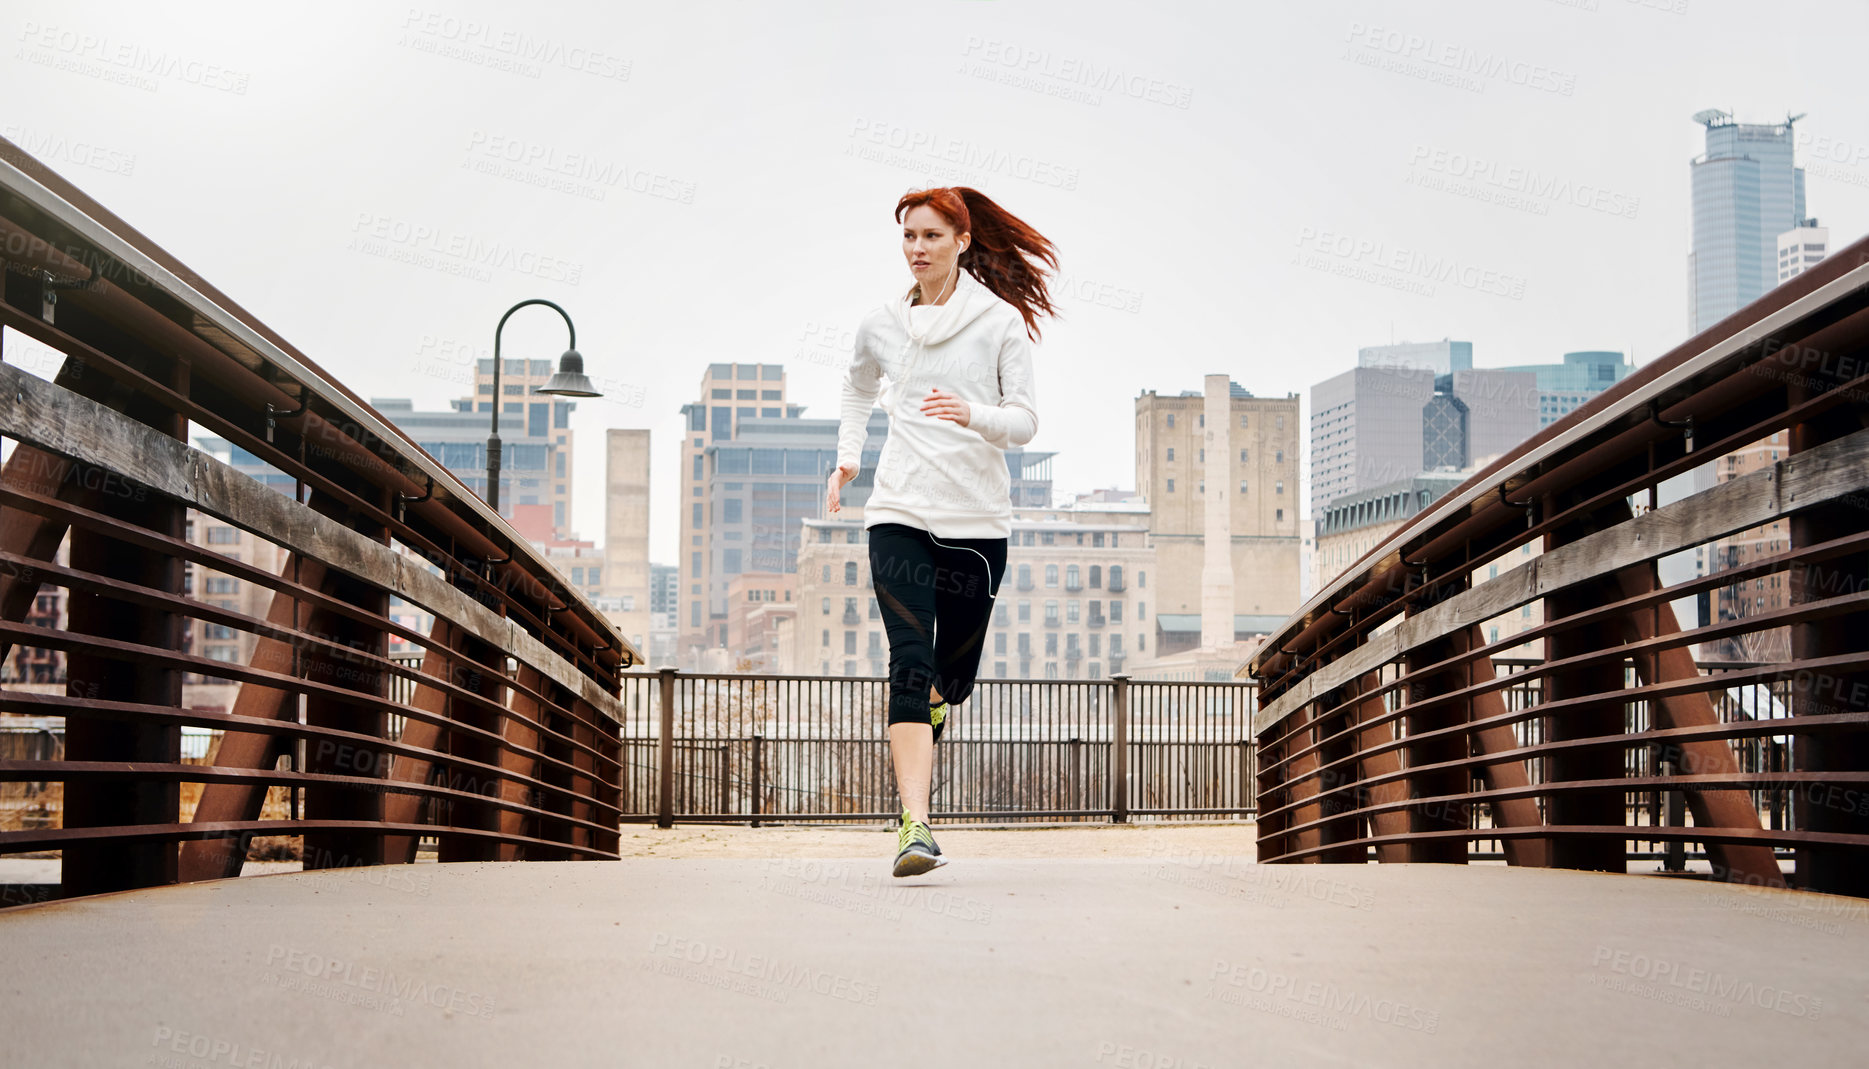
x=1005 y=255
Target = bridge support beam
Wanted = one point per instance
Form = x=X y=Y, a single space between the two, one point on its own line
x=347 y=849
x=1739 y=862
x=1569 y=809
x=1506 y=774
x=216 y=859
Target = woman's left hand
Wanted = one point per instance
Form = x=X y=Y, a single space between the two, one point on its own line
x=943 y=405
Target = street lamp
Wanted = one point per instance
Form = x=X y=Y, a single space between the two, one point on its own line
x=569 y=382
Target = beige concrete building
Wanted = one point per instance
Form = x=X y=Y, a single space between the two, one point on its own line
x=1259 y=476
x=626 y=597
x=756 y=603
x=1075 y=602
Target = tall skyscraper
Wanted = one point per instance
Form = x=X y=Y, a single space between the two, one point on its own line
x=729 y=393
x=1376 y=424
x=1747 y=191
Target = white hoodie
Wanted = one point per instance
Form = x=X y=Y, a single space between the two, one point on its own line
x=933 y=473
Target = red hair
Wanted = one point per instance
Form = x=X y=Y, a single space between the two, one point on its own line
x=1005 y=253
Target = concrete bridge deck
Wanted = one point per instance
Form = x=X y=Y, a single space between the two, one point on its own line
x=1185 y=958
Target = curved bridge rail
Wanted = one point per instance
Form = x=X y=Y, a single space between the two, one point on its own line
x=500 y=739
x=1384 y=731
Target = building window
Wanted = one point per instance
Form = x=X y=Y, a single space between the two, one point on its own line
x=1242 y=486
x=697 y=514
x=1096 y=573
x=1171 y=486
x=827 y=606
x=1242 y=456
x=1142 y=613
x=1051 y=575
x=1142 y=578
x=223 y=536
x=1071 y=577
x=733 y=510
x=850 y=642
x=850 y=573
x=1071 y=614
x=1051 y=612
x=999 y=643
x=1051 y=643
x=1171 y=454
x=1116 y=615
x=826 y=577
x=1171 y=421
x=1279 y=487
x=1242 y=423
x=1280 y=516
x=1025 y=612
x=221 y=584
x=1025 y=578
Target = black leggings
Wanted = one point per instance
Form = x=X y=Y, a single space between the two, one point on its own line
x=937 y=597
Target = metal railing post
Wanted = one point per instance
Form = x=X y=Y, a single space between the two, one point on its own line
x=1119 y=748
x=755 y=789
x=665 y=773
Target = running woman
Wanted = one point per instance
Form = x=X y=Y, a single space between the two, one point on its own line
x=956 y=354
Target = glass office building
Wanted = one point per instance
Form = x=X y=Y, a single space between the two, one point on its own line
x=1566 y=386
x=1746 y=193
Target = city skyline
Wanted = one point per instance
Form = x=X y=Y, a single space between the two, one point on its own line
x=1545 y=215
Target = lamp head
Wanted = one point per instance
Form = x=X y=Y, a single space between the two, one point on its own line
x=570 y=380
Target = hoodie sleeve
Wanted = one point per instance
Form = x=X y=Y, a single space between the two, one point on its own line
x=862 y=380
x=1015 y=419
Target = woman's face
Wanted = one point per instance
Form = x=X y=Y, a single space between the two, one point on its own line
x=930 y=246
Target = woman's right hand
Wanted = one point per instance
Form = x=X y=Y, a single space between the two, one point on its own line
x=843 y=474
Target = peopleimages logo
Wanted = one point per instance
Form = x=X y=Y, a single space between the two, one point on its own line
x=1102 y=77
x=454 y=252
x=878 y=139
x=1666 y=978
x=1407 y=268
x=1536 y=189
x=1461 y=60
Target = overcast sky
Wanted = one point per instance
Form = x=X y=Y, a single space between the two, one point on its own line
x=1241 y=188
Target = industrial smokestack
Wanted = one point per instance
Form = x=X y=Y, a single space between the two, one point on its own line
x=1217 y=531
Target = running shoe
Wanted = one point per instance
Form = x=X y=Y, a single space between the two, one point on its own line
x=937 y=717
x=931 y=842
x=918 y=852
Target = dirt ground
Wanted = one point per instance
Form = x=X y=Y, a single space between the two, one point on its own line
x=1231 y=839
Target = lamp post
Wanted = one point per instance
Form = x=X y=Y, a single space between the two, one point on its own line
x=570 y=381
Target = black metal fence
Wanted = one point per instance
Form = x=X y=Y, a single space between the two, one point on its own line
x=746 y=748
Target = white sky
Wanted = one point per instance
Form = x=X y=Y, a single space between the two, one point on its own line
x=268 y=139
